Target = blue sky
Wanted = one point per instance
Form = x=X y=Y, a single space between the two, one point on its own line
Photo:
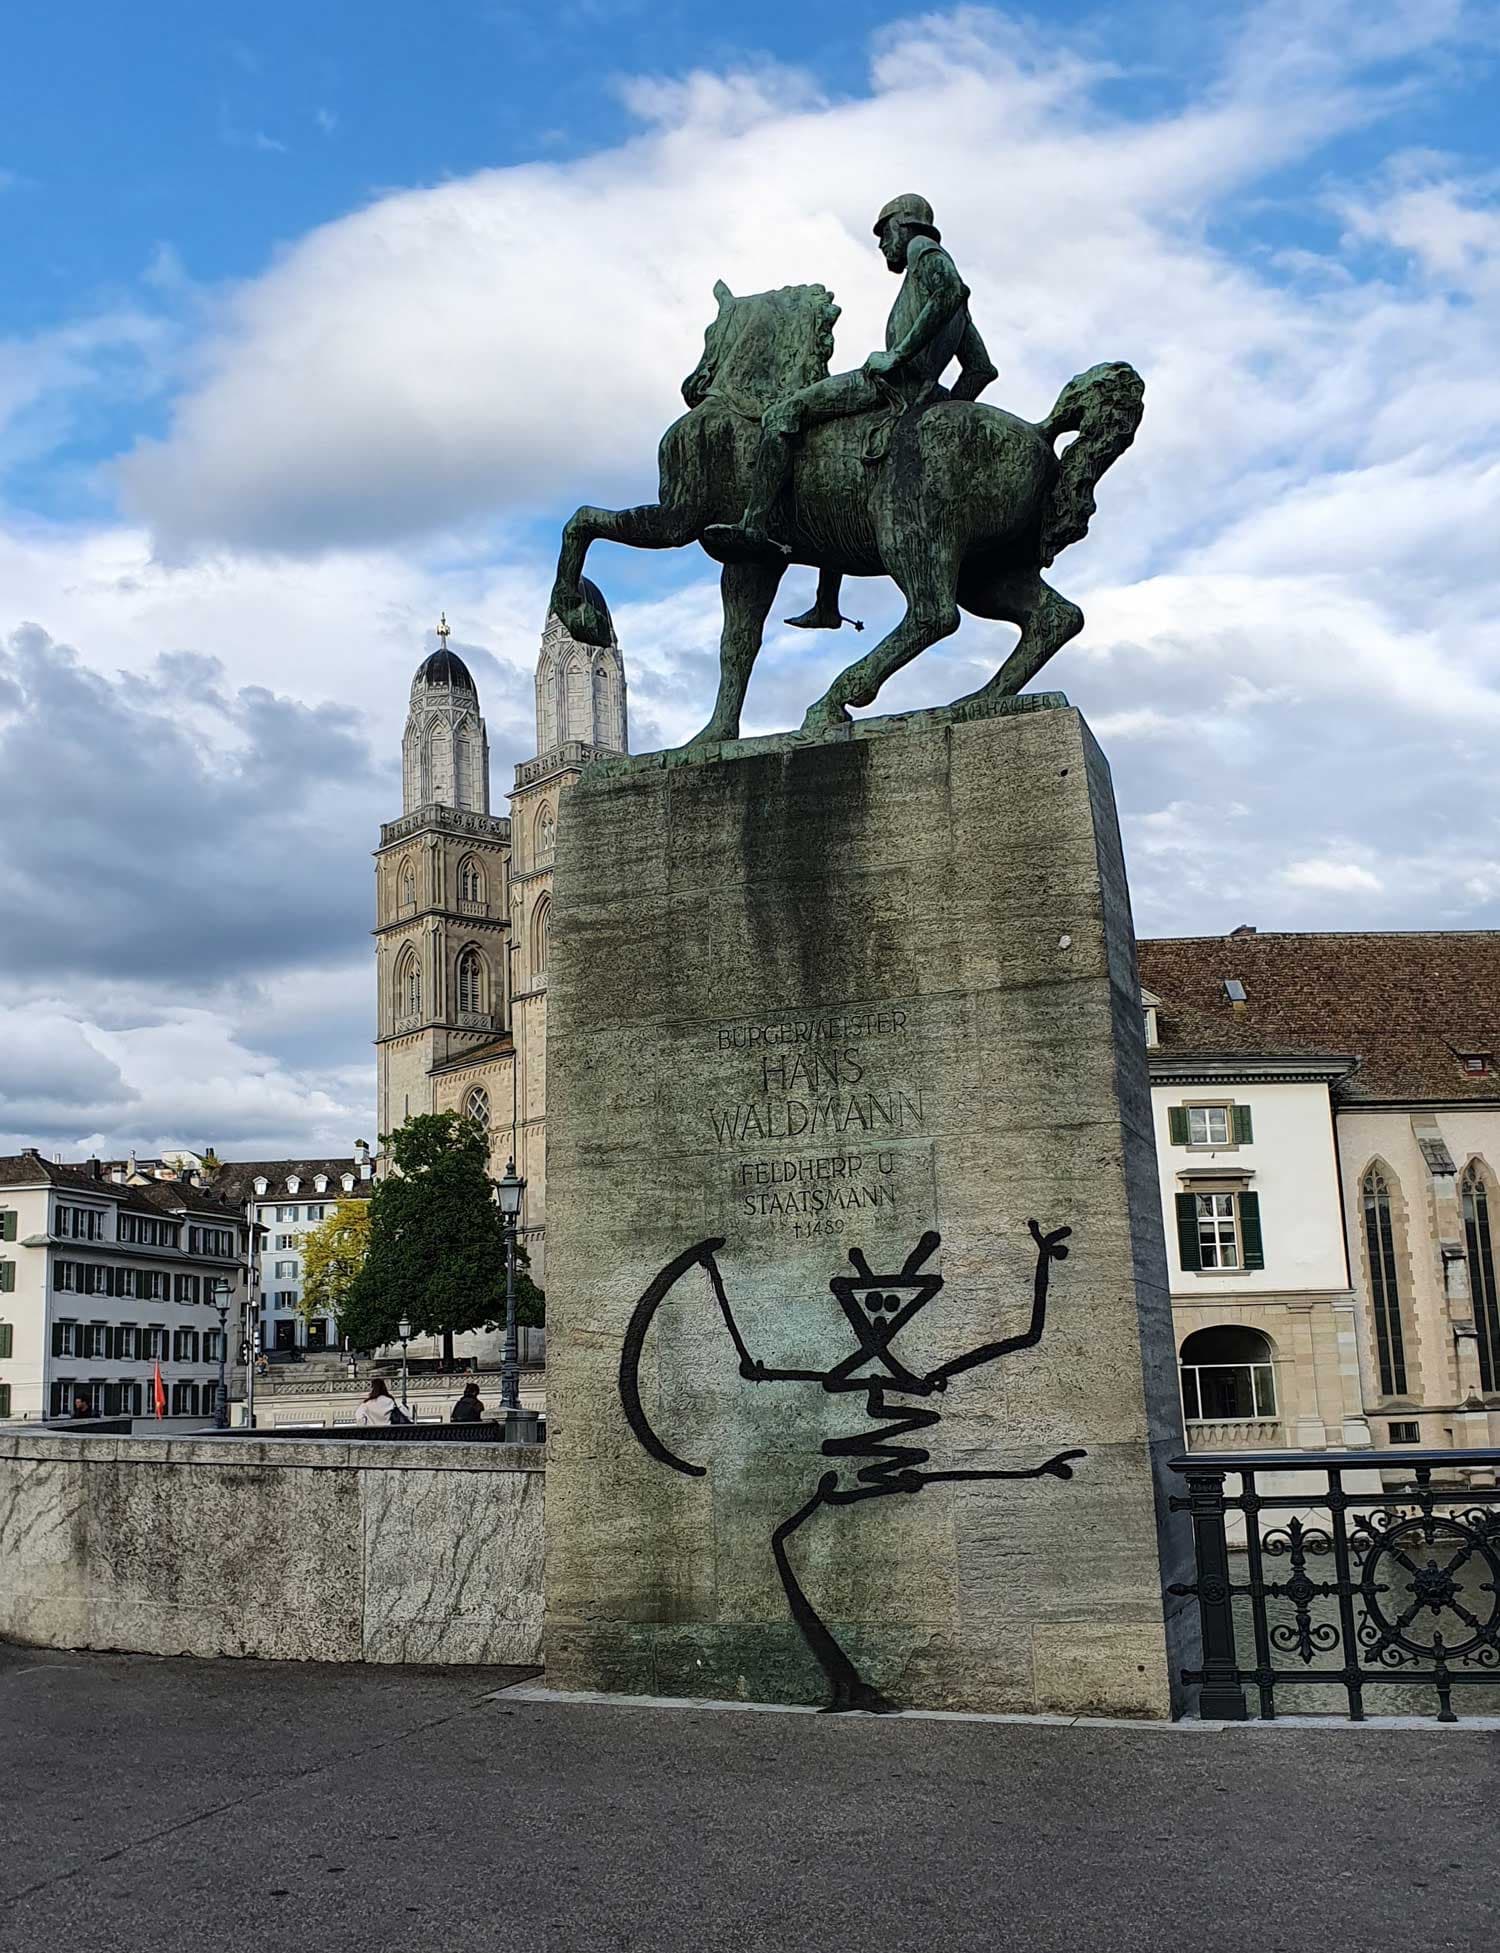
x=319 y=319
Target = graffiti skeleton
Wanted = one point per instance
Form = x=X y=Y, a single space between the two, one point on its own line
x=877 y=1308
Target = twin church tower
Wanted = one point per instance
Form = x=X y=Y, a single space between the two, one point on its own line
x=463 y=899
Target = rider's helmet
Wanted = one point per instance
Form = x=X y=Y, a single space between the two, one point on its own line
x=913 y=210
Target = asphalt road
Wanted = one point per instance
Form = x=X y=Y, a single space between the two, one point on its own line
x=185 y=1804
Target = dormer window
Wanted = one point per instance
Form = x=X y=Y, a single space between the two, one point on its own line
x=1476 y=1064
x=348 y=1183
x=261 y=1183
x=1150 y=1005
x=292 y=1183
x=320 y=1183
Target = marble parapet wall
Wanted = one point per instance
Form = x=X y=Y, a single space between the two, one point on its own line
x=275 y=1549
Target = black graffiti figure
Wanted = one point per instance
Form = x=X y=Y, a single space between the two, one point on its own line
x=878 y=1307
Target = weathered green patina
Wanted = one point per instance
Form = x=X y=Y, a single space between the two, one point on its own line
x=882 y=471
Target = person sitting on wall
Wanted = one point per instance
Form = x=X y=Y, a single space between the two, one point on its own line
x=468 y=1409
x=378 y=1406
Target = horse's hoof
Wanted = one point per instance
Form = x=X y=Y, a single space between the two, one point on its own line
x=711 y=735
x=823 y=717
x=986 y=695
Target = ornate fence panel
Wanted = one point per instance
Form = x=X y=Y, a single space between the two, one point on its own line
x=1358 y=1569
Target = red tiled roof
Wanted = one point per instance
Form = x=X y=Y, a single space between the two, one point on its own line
x=1406 y=1006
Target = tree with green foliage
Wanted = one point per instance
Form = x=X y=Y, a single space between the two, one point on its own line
x=437 y=1242
x=332 y=1255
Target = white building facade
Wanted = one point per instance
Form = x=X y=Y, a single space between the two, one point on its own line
x=101 y=1283
x=285 y=1200
x=1327 y=1112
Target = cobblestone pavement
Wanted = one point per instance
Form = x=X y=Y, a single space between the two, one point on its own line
x=185 y=1804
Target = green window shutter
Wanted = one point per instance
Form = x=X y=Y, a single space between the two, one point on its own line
x=1177 y=1125
x=7 y=1339
x=1187 y=1232
x=1243 y=1133
x=7 y=1276
x=57 y=1339
x=1253 y=1252
x=8 y=1225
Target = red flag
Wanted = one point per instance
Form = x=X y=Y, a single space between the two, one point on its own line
x=159 y=1392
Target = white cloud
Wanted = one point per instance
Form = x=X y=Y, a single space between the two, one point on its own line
x=179 y=1076
x=1341 y=877
x=519 y=335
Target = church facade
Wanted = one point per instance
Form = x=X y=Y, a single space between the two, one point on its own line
x=463 y=902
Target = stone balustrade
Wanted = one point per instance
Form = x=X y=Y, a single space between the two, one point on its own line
x=1236 y=1434
x=278 y=1548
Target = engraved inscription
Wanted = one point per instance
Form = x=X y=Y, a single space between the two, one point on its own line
x=839 y=1076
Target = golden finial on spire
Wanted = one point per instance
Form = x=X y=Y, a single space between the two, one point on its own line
x=442 y=629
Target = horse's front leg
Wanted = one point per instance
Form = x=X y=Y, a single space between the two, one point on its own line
x=927 y=571
x=653 y=525
x=748 y=591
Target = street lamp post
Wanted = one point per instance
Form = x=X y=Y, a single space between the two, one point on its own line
x=221 y=1394
x=252 y=1351
x=403 y=1330
x=511 y=1189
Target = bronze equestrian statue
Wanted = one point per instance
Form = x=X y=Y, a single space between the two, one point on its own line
x=882 y=471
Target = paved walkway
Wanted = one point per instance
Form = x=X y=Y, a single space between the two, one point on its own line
x=170 y=1805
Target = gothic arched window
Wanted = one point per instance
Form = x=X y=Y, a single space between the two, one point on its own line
x=477 y=1106
x=546 y=704
x=406 y=886
x=579 y=700
x=1385 y=1285
x=1476 y=1198
x=546 y=832
x=408 y=984
x=470 y=880
x=541 y=925
x=470 y=980
x=440 y=784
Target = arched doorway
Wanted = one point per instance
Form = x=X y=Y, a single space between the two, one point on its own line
x=1228 y=1376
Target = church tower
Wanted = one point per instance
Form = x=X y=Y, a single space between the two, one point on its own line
x=464 y=902
x=441 y=894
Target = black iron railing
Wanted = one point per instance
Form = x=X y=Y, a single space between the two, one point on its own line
x=1345 y=1570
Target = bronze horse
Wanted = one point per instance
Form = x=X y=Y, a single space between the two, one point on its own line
x=963 y=505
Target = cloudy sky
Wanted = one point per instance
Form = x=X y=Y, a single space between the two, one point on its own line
x=317 y=320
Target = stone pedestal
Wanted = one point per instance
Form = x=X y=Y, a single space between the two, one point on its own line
x=832 y=1022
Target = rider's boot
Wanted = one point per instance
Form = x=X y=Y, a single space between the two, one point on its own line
x=749 y=540
x=825 y=614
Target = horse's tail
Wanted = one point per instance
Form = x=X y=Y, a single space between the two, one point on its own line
x=1103 y=407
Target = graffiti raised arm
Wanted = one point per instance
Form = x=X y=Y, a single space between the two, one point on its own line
x=1049 y=1248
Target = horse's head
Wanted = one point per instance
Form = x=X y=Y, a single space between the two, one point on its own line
x=765 y=346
